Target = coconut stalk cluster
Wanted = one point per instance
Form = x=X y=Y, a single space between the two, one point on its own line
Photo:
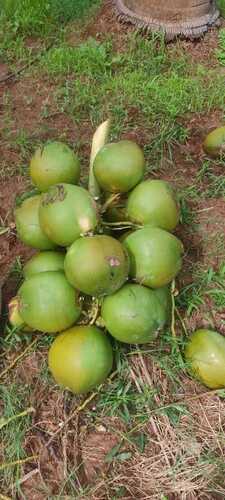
x=106 y=257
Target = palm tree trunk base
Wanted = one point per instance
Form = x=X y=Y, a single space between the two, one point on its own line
x=190 y=28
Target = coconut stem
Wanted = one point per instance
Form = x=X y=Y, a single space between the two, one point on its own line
x=119 y=226
x=94 y=312
x=111 y=199
x=100 y=138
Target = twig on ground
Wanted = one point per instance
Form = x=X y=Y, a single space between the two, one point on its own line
x=14 y=74
x=6 y=370
x=18 y=462
x=27 y=476
x=4 y=421
x=18 y=71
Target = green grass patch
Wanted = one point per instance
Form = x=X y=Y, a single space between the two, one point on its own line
x=90 y=59
x=220 y=52
x=158 y=86
x=205 y=283
x=221 y=6
x=29 y=17
x=23 y=19
x=209 y=183
x=14 y=398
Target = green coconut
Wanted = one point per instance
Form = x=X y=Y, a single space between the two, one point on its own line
x=48 y=303
x=124 y=235
x=15 y=318
x=119 y=166
x=214 y=143
x=134 y=314
x=97 y=265
x=67 y=212
x=44 y=261
x=28 y=226
x=155 y=256
x=205 y=355
x=80 y=358
x=52 y=164
x=165 y=298
x=154 y=202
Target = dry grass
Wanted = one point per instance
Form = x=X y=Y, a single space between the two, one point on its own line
x=180 y=459
x=183 y=458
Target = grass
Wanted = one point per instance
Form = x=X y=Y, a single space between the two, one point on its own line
x=31 y=18
x=104 y=82
x=214 y=180
x=152 y=90
x=45 y=21
x=205 y=283
x=94 y=81
x=221 y=6
x=14 y=398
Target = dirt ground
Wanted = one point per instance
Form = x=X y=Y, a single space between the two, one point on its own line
x=82 y=443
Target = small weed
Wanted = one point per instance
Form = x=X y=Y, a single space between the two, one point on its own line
x=216 y=186
x=214 y=182
x=174 y=412
x=205 y=282
x=187 y=215
x=217 y=288
x=90 y=59
x=17 y=269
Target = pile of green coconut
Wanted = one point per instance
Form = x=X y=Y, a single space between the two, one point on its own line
x=106 y=257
